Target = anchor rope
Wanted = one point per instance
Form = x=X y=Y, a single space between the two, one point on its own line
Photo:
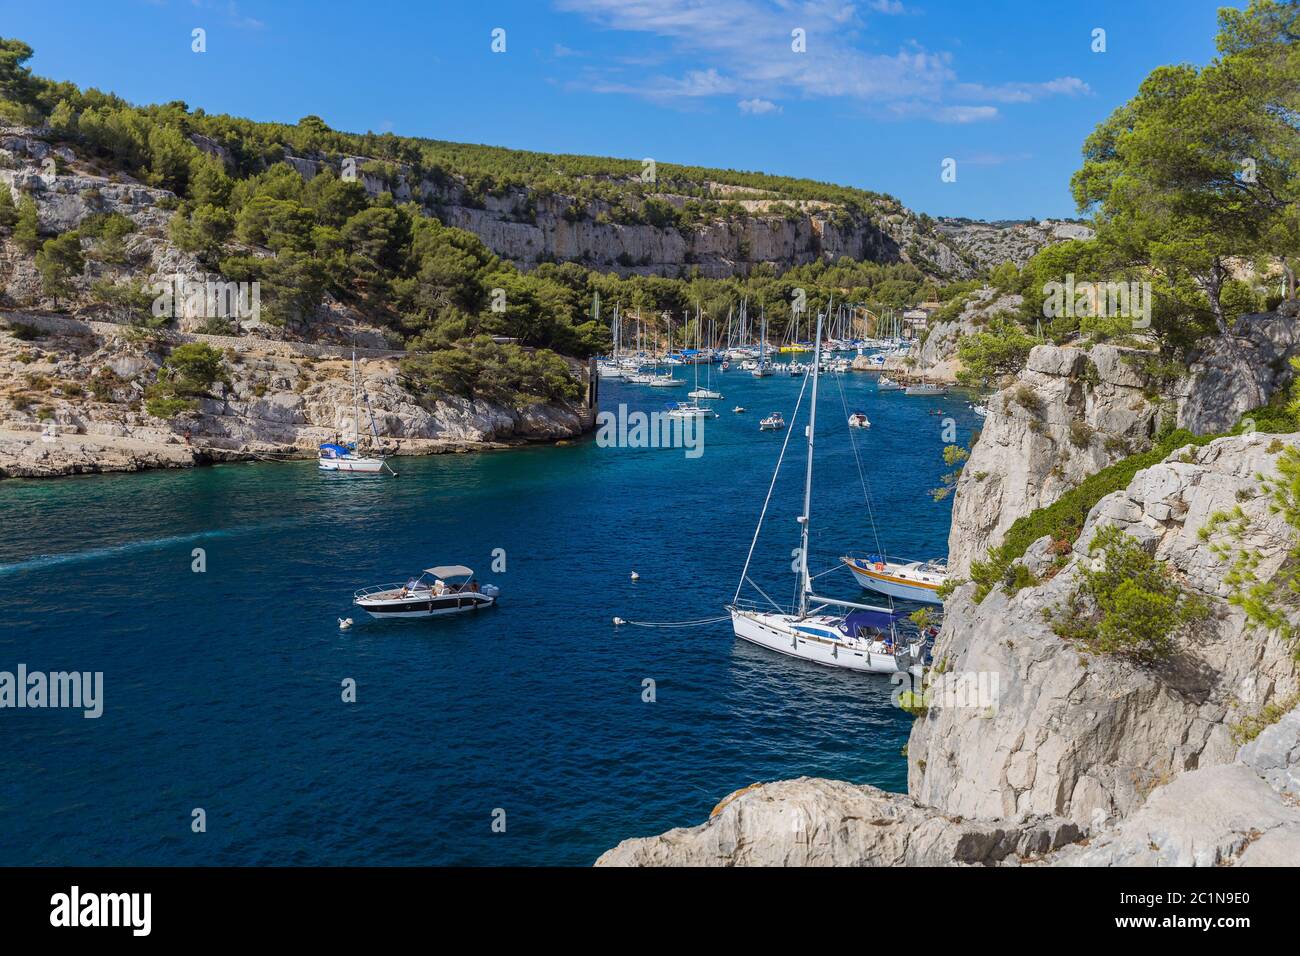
x=700 y=623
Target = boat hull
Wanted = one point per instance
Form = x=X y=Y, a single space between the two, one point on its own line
x=426 y=606
x=883 y=582
x=767 y=630
x=361 y=466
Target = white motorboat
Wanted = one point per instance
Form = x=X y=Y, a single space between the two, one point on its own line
x=859 y=420
x=773 y=423
x=739 y=409
x=909 y=580
x=446 y=589
x=691 y=410
x=926 y=388
x=887 y=384
x=865 y=639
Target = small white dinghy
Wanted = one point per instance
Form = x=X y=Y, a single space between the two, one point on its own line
x=859 y=420
x=446 y=589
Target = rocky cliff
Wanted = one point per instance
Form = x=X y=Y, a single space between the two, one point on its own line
x=1142 y=758
x=71 y=403
x=1074 y=411
x=987 y=245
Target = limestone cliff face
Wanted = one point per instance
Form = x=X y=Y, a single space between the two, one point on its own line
x=72 y=402
x=1071 y=413
x=988 y=245
x=936 y=359
x=1141 y=758
x=1078 y=734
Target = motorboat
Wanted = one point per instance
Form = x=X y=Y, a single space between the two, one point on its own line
x=739 y=409
x=691 y=410
x=664 y=381
x=859 y=420
x=446 y=589
x=910 y=580
x=926 y=388
x=773 y=423
x=887 y=384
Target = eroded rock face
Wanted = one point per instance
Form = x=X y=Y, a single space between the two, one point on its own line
x=815 y=822
x=276 y=402
x=1070 y=413
x=1226 y=382
x=1087 y=737
x=1240 y=814
x=937 y=357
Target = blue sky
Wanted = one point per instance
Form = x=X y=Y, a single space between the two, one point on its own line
x=884 y=92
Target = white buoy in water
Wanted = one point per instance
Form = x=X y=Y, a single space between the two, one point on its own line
x=635 y=576
x=618 y=621
x=345 y=623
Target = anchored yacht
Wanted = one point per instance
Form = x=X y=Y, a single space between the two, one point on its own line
x=864 y=639
x=909 y=580
x=446 y=589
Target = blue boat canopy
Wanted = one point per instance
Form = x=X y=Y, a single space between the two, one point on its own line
x=331 y=450
x=858 y=620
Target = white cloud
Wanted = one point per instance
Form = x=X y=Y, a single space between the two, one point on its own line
x=965 y=114
x=743 y=47
x=758 y=107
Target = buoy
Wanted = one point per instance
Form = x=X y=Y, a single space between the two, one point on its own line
x=635 y=576
x=618 y=621
x=345 y=623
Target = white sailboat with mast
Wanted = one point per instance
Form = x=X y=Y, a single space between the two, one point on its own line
x=863 y=639
x=345 y=457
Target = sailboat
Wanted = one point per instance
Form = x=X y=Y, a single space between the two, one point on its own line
x=863 y=639
x=344 y=457
x=707 y=391
x=763 y=368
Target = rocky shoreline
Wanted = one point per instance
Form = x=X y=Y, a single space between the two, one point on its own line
x=74 y=396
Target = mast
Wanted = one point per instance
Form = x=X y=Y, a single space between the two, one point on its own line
x=356 y=404
x=805 y=586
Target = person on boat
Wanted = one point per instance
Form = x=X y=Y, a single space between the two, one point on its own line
x=439 y=587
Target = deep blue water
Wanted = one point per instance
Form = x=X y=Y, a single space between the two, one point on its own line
x=222 y=689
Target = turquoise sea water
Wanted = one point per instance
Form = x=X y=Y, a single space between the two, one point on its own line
x=222 y=690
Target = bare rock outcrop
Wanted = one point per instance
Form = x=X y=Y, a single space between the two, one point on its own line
x=1229 y=377
x=1244 y=813
x=936 y=359
x=1071 y=413
x=1088 y=736
x=816 y=822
